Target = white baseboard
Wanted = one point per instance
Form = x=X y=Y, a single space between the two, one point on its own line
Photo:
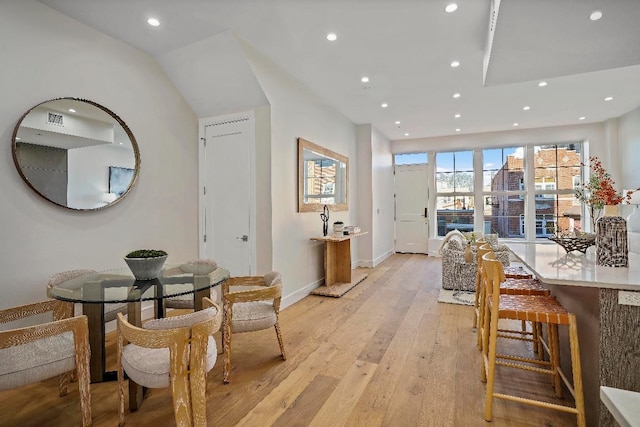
x=299 y=294
x=375 y=262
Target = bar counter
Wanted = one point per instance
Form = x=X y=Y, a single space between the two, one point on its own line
x=609 y=332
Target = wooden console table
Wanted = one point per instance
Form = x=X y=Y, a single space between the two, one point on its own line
x=338 y=277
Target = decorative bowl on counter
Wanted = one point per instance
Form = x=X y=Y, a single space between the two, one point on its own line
x=579 y=242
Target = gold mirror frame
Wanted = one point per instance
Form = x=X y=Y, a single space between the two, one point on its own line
x=338 y=176
x=65 y=139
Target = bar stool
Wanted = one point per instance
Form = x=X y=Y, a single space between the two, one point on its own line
x=516 y=283
x=534 y=308
x=521 y=280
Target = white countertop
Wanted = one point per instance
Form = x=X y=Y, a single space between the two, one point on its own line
x=553 y=265
x=624 y=405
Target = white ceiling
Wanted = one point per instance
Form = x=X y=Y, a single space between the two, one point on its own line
x=405 y=48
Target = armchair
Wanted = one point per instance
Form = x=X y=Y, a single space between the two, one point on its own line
x=255 y=308
x=196 y=266
x=174 y=352
x=33 y=353
x=460 y=275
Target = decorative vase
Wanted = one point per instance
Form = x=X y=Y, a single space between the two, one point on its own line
x=611 y=242
x=468 y=254
x=146 y=268
x=611 y=210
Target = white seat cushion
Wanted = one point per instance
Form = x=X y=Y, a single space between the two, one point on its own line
x=253 y=316
x=36 y=361
x=150 y=366
x=183 y=321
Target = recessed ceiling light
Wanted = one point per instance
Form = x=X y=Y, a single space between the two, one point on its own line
x=542 y=84
x=608 y=98
x=595 y=15
x=581 y=118
x=397 y=122
x=457 y=129
x=332 y=37
x=455 y=64
x=153 y=22
x=457 y=116
x=71 y=110
x=456 y=95
x=384 y=105
x=451 y=7
x=526 y=108
x=364 y=79
x=516 y=124
x=406 y=134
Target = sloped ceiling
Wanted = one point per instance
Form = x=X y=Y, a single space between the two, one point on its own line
x=213 y=76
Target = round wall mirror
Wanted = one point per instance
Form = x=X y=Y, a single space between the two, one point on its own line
x=76 y=153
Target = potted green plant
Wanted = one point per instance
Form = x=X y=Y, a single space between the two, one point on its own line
x=146 y=264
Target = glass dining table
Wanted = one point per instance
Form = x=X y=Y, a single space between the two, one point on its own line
x=95 y=290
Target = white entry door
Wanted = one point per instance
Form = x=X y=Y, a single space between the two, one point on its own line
x=228 y=193
x=412 y=220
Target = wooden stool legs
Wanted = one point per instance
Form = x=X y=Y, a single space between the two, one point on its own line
x=490 y=360
x=536 y=309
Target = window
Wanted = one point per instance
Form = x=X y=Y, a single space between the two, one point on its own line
x=411 y=159
x=540 y=179
x=320 y=183
x=545 y=225
x=454 y=191
x=328 y=188
x=557 y=170
x=503 y=188
x=577 y=184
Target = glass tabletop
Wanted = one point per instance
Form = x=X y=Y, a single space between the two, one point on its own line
x=117 y=286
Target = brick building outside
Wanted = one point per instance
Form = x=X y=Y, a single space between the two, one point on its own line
x=555 y=169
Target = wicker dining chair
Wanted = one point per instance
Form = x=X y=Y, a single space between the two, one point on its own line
x=196 y=266
x=55 y=348
x=255 y=308
x=174 y=352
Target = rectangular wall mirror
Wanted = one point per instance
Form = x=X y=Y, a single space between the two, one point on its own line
x=323 y=178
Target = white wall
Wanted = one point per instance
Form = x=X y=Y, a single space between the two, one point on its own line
x=629 y=154
x=376 y=204
x=46 y=55
x=383 y=188
x=297 y=112
x=364 y=198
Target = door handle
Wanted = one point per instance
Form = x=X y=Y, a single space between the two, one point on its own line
x=244 y=238
x=426 y=212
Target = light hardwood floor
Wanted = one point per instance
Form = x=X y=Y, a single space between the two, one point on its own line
x=385 y=354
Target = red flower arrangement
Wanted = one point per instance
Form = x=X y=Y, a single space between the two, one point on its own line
x=599 y=190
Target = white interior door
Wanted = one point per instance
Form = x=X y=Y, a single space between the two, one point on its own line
x=412 y=220
x=228 y=193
